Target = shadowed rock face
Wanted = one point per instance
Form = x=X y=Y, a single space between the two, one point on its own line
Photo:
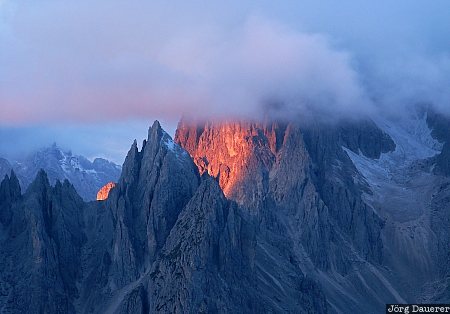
x=265 y=217
x=178 y=245
x=440 y=215
x=304 y=190
x=156 y=183
x=41 y=246
x=210 y=267
x=166 y=239
x=9 y=194
x=283 y=165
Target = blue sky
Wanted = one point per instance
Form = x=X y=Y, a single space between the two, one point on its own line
x=93 y=75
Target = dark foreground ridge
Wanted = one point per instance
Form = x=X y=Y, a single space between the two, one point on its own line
x=231 y=218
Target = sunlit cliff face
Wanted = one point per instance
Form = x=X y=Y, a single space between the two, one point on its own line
x=232 y=151
x=104 y=191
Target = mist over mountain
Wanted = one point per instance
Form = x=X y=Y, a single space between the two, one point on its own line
x=220 y=60
x=133 y=62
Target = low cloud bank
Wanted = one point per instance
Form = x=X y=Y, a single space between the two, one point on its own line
x=97 y=61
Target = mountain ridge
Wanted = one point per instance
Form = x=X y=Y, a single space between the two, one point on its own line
x=298 y=229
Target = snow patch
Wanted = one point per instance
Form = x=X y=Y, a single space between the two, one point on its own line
x=399 y=179
x=179 y=152
x=412 y=137
x=413 y=142
x=170 y=144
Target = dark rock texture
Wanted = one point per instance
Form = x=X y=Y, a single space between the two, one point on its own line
x=299 y=183
x=266 y=217
x=41 y=247
x=155 y=185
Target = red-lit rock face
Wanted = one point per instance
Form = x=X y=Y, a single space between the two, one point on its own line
x=104 y=191
x=239 y=154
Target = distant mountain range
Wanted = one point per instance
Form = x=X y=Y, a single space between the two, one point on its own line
x=87 y=177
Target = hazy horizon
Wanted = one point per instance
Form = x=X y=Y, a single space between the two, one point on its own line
x=107 y=140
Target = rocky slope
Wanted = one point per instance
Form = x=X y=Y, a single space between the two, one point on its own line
x=349 y=196
x=408 y=188
x=298 y=183
x=264 y=217
x=86 y=176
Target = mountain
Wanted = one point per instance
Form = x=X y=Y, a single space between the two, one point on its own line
x=298 y=184
x=5 y=167
x=42 y=235
x=86 y=176
x=240 y=217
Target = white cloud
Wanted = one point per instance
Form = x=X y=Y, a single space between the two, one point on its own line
x=102 y=60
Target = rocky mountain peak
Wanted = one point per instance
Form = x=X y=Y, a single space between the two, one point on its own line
x=156 y=183
x=104 y=191
x=131 y=162
x=298 y=230
x=11 y=184
x=41 y=181
x=155 y=131
x=87 y=177
x=9 y=193
x=271 y=168
x=52 y=151
x=229 y=151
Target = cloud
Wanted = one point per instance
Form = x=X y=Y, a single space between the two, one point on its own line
x=94 y=61
x=264 y=61
x=411 y=80
x=100 y=61
x=82 y=73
